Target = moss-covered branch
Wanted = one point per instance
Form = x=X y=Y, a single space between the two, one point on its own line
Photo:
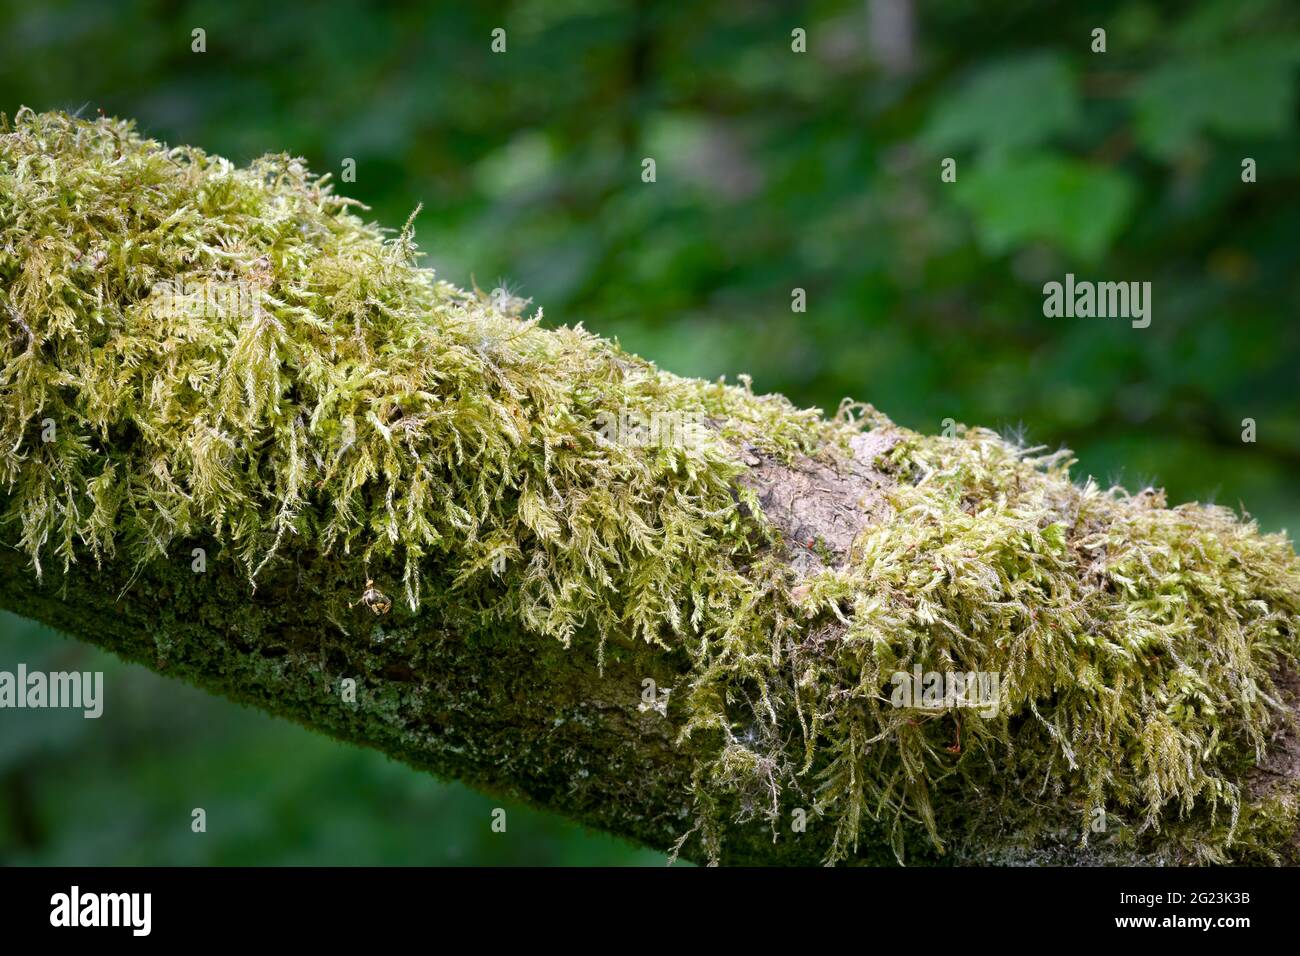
x=671 y=609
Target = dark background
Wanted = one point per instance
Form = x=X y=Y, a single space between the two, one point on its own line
x=775 y=170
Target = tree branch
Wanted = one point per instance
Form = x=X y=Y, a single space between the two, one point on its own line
x=246 y=441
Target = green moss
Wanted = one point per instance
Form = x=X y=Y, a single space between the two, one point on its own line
x=395 y=421
x=1136 y=646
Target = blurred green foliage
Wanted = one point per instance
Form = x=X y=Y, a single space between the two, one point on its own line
x=775 y=171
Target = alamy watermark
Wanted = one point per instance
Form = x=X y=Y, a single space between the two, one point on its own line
x=1102 y=300
x=207 y=298
x=59 y=689
x=658 y=429
x=946 y=690
x=129 y=910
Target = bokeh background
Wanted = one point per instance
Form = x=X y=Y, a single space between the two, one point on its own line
x=775 y=170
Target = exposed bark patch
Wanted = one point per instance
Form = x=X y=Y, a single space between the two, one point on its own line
x=1279 y=771
x=820 y=505
x=1281 y=766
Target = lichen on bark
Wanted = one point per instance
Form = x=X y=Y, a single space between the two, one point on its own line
x=342 y=422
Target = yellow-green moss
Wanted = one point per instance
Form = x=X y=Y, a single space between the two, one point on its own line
x=1136 y=646
x=389 y=417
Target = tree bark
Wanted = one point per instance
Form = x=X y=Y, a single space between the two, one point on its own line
x=499 y=710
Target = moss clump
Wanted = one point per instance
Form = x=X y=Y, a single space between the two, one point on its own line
x=334 y=392
x=1135 y=646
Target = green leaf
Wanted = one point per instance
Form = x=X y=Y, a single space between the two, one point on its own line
x=1075 y=205
x=1246 y=91
x=1006 y=107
